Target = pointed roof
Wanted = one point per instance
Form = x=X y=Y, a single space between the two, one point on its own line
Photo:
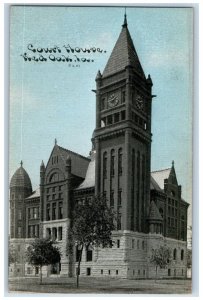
x=154 y=214
x=89 y=181
x=35 y=194
x=123 y=54
x=158 y=178
x=172 y=176
x=21 y=178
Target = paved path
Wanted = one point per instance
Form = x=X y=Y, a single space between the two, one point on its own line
x=98 y=285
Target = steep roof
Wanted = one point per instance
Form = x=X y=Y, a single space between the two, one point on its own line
x=35 y=194
x=159 y=176
x=90 y=175
x=79 y=163
x=21 y=178
x=123 y=54
x=154 y=213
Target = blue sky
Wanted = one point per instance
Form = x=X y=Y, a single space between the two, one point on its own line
x=51 y=100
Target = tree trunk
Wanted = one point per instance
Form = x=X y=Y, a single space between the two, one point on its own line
x=78 y=270
x=156 y=273
x=40 y=274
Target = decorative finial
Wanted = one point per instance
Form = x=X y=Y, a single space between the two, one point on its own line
x=125 y=24
x=55 y=141
x=21 y=163
x=98 y=75
x=42 y=164
x=172 y=163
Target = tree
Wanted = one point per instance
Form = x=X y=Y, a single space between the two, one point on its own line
x=42 y=252
x=189 y=258
x=93 y=222
x=161 y=257
x=12 y=255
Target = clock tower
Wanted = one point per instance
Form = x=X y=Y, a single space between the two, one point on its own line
x=122 y=137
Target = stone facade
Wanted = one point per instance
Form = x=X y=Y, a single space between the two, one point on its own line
x=150 y=210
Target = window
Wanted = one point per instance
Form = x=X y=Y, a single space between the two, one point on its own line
x=105 y=165
x=174 y=254
x=112 y=198
x=19 y=215
x=123 y=115
x=88 y=254
x=78 y=253
x=53 y=211
x=60 y=233
x=142 y=245
x=29 y=270
x=133 y=244
x=103 y=103
x=118 y=243
x=119 y=222
x=112 y=162
x=119 y=197
x=109 y=272
x=138 y=244
x=174 y=272
x=37 y=231
x=60 y=195
x=48 y=212
x=36 y=270
x=116 y=272
x=144 y=272
x=123 y=97
x=36 y=212
x=54 y=177
x=54 y=233
x=53 y=189
x=88 y=271
x=116 y=118
x=60 y=211
x=19 y=231
x=120 y=161
x=47 y=190
x=182 y=254
x=48 y=197
x=101 y=272
x=161 y=212
x=60 y=186
x=138 y=272
x=169 y=272
x=48 y=233
x=109 y=120
x=53 y=196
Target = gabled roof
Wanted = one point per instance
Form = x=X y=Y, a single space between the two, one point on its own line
x=79 y=163
x=123 y=54
x=154 y=213
x=158 y=178
x=35 y=194
x=90 y=175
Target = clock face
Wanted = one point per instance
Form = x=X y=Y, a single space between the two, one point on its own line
x=112 y=100
x=139 y=102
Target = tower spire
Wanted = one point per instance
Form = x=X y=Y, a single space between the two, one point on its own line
x=125 y=24
x=21 y=163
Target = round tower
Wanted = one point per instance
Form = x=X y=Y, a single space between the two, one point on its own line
x=20 y=188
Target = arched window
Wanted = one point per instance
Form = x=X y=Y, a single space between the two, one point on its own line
x=120 y=161
x=182 y=228
x=105 y=165
x=174 y=254
x=54 y=177
x=112 y=162
x=182 y=254
x=161 y=212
